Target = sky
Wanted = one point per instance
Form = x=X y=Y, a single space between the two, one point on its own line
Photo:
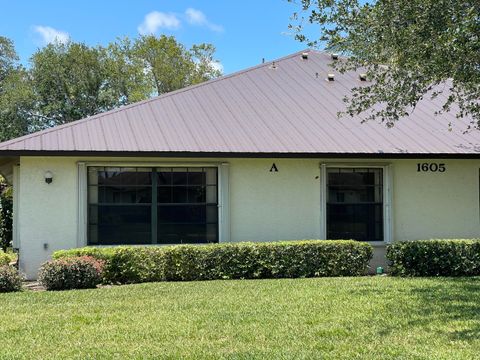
x=243 y=32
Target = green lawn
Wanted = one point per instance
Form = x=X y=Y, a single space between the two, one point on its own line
x=329 y=318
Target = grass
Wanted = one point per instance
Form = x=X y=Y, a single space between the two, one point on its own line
x=327 y=318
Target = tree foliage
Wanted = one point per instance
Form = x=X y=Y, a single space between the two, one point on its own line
x=6 y=211
x=70 y=81
x=170 y=66
x=15 y=92
x=410 y=49
x=8 y=57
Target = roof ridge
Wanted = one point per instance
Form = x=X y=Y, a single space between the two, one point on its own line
x=147 y=101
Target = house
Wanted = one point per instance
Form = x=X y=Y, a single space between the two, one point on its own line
x=258 y=155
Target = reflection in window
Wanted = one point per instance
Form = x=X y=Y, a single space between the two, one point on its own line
x=131 y=205
x=355 y=204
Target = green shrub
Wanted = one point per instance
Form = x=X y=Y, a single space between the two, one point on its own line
x=10 y=279
x=6 y=212
x=434 y=258
x=124 y=264
x=6 y=258
x=288 y=259
x=81 y=272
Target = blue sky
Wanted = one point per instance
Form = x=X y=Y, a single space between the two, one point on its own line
x=243 y=32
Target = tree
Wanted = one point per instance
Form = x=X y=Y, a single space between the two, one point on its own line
x=72 y=81
x=15 y=93
x=16 y=105
x=126 y=76
x=170 y=66
x=206 y=66
x=8 y=57
x=410 y=49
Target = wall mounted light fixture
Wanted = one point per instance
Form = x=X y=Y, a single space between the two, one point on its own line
x=48 y=177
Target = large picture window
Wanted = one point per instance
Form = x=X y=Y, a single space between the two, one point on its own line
x=355 y=204
x=165 y=205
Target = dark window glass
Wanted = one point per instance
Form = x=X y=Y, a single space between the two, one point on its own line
x=124 y=224
x=164 y=176
x=196 y=177
x=186 y=233
x=196 y=194
x=125 y=194
x=123 y=176
x=177 y=214
x=355 y=204
x=180 y=194
x=164 y=194
x=123 y=203
x=179 y=176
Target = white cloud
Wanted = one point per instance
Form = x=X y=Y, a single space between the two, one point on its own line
x=51 y=35
x=197 y=17
x=156 y=20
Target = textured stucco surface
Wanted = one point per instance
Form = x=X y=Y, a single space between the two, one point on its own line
x=264 y=205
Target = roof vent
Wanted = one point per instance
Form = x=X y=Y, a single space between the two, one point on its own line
x=331 y=77
x=334 y=56
x=273 y=66
x=305 y=55
x=362 y=77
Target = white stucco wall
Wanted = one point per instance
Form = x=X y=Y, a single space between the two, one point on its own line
x=436 y=205
x=264 y=205
x=268 y=206
x=47 y=213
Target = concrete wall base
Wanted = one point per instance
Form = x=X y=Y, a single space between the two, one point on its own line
x=378 y=259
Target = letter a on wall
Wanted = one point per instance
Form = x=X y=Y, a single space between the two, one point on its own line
x=273 y=168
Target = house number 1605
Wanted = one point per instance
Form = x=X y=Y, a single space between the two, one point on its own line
x=432 y=167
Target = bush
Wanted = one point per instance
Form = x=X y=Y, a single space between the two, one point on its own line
x=124 y=264
x=288 y=259
x=6 y=212
x=10 y=279
x=82 y=272
x=434 y=258
x=6 y=258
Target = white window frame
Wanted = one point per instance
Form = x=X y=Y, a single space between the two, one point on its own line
x=223 y=193
x=387 y=197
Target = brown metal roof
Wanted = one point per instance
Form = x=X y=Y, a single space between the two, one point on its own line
x=282 y=110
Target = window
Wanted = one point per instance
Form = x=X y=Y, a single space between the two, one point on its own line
x=152 y=205
x=355 y=204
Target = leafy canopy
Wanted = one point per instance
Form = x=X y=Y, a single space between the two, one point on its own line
x=15 y=92
x=170 y=66
x=67 y=82
x=410 y=49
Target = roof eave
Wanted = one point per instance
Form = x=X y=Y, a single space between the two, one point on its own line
x=207 y=154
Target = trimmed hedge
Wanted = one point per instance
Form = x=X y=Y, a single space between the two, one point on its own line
x=124 y=264
x=287 y=259
x=434 y=257
x=6 y=258
x=82 y=272
x=10 y=279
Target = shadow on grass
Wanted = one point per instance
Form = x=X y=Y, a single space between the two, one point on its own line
x=452 y=301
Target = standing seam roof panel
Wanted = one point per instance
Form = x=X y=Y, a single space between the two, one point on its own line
x=259 y=110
